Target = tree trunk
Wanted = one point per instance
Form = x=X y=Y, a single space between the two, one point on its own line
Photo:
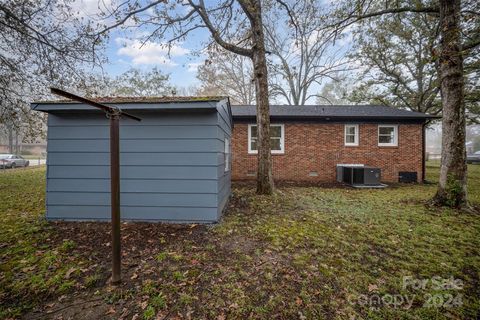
x=452 y=187
x=264 y=171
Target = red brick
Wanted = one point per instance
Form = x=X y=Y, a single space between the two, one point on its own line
x=319 y=148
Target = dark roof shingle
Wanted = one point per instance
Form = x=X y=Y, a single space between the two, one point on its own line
x=163 y=99
x=330 y=111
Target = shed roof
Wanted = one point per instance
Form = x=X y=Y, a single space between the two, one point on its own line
x=331 y=111
x=163 y=99
x=133 y=103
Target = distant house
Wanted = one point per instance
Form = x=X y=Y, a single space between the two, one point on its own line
x=308 y=142
x=175 y=163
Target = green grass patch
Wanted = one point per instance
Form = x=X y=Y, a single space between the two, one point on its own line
x=31 y=268
x=305 y=252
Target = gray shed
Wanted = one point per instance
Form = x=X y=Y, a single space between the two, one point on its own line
x=175 y=163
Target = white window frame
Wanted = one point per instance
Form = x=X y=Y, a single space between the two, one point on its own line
x=227 y=154
x=357 y=135
x=395 y=135
x=282 y=139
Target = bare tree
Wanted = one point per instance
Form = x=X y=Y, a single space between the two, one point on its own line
x=229 y=74
x=135 y=82
x=41 y=42
x=397 y=69
x=336 y=92
x=225 y=20
x=189 y=90
x=300 y=58
x=455 y=39
x=303 y=57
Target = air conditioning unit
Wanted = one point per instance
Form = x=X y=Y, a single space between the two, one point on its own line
x=359 y=175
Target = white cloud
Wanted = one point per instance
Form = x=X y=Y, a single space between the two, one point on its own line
x=86 y=8
x=150 y=52
x=193 y=67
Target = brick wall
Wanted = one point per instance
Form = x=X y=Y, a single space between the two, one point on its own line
x=313 y=150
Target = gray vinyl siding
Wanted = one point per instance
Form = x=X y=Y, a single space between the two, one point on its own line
x=137 y=145
x=180 y=214
x=172 y=166
x=224 y=177
x=224 y=192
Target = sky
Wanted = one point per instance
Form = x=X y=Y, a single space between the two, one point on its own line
x=125 y=49
x=124 y=53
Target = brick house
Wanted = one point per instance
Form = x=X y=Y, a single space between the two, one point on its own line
x=308 y=142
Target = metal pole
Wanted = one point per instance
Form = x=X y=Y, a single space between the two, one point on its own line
x=115 y=196
x=114 y=114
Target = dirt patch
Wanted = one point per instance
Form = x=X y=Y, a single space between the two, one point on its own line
x=80 y=307
x=239 y=244
x=142 y=246
x=172 y=259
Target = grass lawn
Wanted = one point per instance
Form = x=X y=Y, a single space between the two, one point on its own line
x=305 y=253
x=33 y=157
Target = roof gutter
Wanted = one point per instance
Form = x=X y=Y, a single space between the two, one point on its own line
x=327 y=119
x=166 y=106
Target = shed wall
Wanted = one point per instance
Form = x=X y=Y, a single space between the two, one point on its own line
x=169 y=167
x=224 y=176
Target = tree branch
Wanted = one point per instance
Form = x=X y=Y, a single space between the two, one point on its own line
x=353 y=18
x=200 y=9
x=469 y=45
x=290 y=14
x=128 y=15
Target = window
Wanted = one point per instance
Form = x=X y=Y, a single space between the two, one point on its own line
x=388 y=135
x=351 y=134
x=277 y=138
x=227 y=154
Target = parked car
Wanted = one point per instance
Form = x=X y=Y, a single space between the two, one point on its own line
x=12 y=161
x=474 y=158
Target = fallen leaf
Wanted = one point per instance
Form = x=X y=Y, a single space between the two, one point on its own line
x=143 y=305
x=298 y=301
x=123 y=314
x=372 y=287
x=134 y=276
x=110 y=311
x=28 y=269
x=69 y=272
x=301 y=316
